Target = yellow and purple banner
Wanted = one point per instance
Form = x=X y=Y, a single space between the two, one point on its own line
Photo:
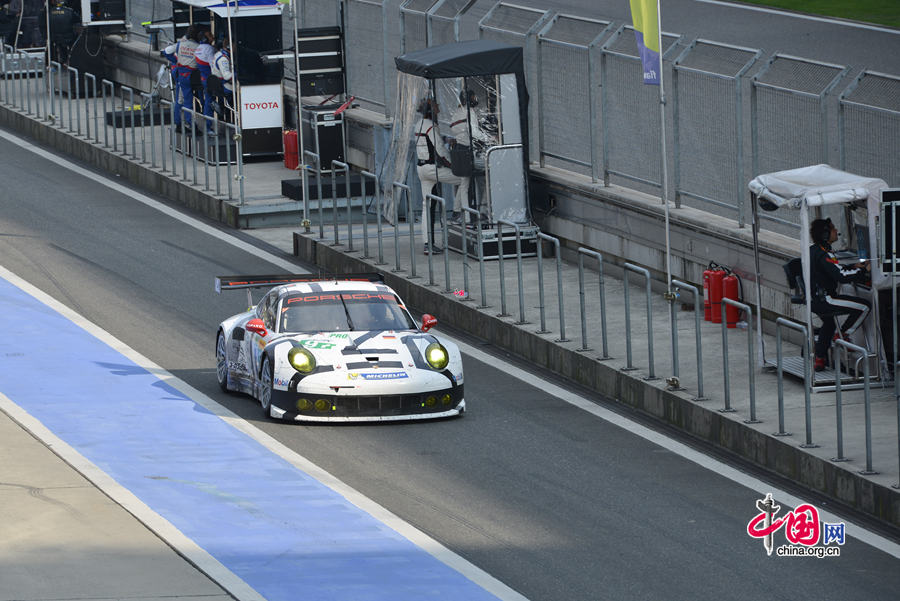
x=646 y=31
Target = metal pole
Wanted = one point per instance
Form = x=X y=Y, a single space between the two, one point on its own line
x=863 y=353
x=698 y=310
x=475 y=218
x=500 y=253
x=335 y=165
x=374 y=179
x=304 y=180
x=630 y=267
x=521 y=289
x=397 y=222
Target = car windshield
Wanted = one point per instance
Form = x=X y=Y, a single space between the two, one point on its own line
x=343 y=312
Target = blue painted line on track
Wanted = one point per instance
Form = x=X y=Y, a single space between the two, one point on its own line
x=280 y=530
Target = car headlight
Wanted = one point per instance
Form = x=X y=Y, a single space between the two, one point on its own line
x=301 y=359
x=436 y=355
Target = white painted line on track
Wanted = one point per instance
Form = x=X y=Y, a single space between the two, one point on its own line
x=859 y=532
x=783 y=13
x=173 y=536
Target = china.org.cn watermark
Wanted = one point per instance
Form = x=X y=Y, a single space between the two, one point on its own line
x=801 y=528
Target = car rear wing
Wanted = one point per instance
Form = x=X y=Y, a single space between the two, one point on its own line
x=241 y=282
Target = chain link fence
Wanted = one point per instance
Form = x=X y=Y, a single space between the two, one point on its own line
x=708 y=125
x=869 y=123
x=631 y=127
x=734 y=114
x=568 y=78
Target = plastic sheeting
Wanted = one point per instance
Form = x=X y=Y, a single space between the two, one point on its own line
x=818 y=185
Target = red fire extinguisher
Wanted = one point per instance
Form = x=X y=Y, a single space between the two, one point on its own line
x=730 y=290
x=712 y=293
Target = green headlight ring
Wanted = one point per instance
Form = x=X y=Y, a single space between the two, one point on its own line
x=301 y=359
x=437 y=356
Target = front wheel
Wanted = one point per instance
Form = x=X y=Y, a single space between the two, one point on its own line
x=265 y=387
x=221 y=362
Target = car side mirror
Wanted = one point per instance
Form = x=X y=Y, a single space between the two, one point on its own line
x=256 y=326
x=428 y=322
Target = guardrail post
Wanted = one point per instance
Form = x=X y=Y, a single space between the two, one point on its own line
x=313 y=155
x=474 y=217
x=104 y=84
x=429 y=231
x=866 y=396
x=521 y=288
x=396 y=203
x=750 y=359
x=559 y=287
x=131 y=114
x=807 y=380
x=335 y=165
x=698 y=310
x=378 y=227
x=365 y=214
x=604 y=339
x=646 y=274
x=502 y=312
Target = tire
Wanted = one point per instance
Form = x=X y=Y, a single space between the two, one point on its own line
x=265 y=387
x=221 y=362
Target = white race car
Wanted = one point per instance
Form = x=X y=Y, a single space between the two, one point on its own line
x=336 y=349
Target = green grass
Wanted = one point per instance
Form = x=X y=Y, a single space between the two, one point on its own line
x=878 y=12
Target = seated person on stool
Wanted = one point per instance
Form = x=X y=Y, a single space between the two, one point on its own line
x=433 y=165
x=826 y=274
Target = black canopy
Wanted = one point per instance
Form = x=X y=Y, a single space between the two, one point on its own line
x=462 y=59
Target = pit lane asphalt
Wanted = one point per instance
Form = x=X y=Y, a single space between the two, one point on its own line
x=553 y=502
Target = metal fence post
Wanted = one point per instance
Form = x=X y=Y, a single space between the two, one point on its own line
x=429 y=231
x=521 y=288
x=807 y=380
x=750 y=357
x=396 y=203
x=335 y=165
x=503 y=312
x=839 y=343
x=313 y=155
x=474 y=217
x=378 y=229
x=640 y=270
x=698 y=310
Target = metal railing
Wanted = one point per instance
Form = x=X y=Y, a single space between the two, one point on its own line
x=751 y=358
x=630 y=365
x=863 y=353
x=71 y=101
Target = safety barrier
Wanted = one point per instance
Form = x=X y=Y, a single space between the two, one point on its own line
x=780 y=323
x=559 y=286
x=430 y=198
x=630 y=365
x=863 y=353
x=582 y=252
x=64 y=98
x=500 y=253
x=698 y=310
x=751 y=357
x=335 y=167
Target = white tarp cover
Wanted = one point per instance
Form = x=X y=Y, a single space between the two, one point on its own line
x=817 y=184
x=239 y=8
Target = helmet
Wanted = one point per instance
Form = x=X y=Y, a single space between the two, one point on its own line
x=468 y=97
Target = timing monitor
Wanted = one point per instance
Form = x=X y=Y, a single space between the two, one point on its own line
x=890 y=230
x=109 y=14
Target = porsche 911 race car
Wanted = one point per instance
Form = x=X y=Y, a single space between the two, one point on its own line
x=343 y=348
